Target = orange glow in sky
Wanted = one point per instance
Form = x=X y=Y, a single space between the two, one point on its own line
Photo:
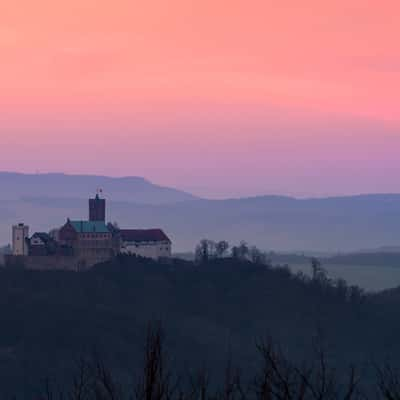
x=201 y=94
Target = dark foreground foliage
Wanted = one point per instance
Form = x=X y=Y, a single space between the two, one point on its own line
x=276 y=378
x=212 y=312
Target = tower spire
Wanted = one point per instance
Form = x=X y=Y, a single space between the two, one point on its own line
x=97 y=208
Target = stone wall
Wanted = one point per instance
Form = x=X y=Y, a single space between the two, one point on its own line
x=56 y=262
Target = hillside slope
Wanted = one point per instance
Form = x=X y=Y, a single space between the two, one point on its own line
x=49 y=319
x=134 y=189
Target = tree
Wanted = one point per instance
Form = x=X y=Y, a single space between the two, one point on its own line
x=319 y=275
x=201 y=252
x=243 y=250
x=356 y=294
x=235 y=252
x=156 y=380
x=205 y=251
x=221 y=248
x=280 y=378
x=342 y=288
x=240 y=252
x=388 y=382
x=257 y=256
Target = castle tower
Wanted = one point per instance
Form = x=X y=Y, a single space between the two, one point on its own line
x=20 y=233
x=97 y=209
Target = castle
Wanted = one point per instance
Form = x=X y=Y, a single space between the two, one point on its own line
x=78 y=245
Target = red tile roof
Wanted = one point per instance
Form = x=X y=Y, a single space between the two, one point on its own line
x=143 y=235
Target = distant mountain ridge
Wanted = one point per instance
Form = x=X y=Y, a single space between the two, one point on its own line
x=277 y=223
x=57 y=185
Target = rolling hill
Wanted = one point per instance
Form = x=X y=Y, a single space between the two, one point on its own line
x=270 y=222
x=134 y=189
x=210 y=312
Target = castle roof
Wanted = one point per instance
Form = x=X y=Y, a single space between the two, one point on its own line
x=143 y=235
x=43 y=236
x=89 y=226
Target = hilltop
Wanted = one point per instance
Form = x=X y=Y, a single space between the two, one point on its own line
x=49 y=319
x=16 y=186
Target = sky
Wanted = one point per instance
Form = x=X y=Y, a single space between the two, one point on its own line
x=220 y=98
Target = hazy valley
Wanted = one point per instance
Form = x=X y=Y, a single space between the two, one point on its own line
x=277 y=223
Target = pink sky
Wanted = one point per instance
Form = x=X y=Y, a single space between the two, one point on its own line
x=222 y=98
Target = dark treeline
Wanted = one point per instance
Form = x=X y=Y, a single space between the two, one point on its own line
x=213 y=310
x=376 y=259
x=275 y=378
x=208 y=250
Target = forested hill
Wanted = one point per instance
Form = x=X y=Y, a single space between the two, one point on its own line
x=209 y=312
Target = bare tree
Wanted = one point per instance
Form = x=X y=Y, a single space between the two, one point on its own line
x=104 y=386
x=221 y=248
x=205 y=251
x=240 y=252
x=82 y=381
x=49 y=392
x=388 y=382
x=257 y=256
x=280 y=379
x=243 y=250
x=199 y=385
x=356 y=294
x=232 y=389
x=319 y=275
x=156 y=381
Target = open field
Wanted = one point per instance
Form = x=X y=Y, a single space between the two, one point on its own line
x=369 y=277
